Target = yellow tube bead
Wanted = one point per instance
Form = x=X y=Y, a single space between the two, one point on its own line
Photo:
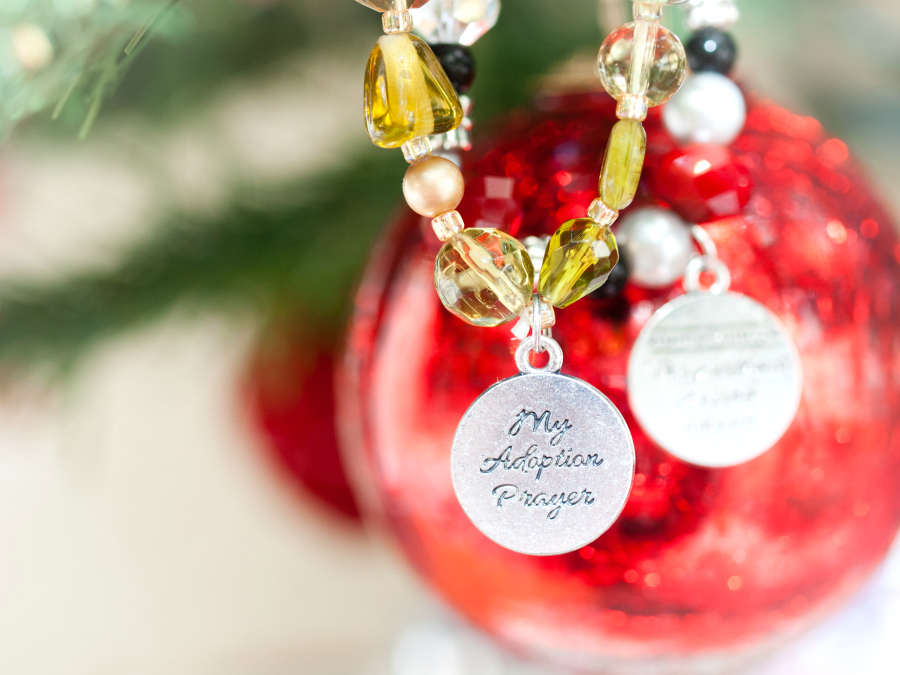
x=622 y=164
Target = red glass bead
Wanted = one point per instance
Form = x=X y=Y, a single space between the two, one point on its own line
x=702 y=182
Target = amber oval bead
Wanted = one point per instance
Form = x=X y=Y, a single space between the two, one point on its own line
x=485 y=277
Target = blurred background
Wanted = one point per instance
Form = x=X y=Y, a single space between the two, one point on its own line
x=173 y=212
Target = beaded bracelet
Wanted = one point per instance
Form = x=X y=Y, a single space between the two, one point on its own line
x=485 y=276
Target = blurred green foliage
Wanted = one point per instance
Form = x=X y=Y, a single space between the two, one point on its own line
x=274 y=250
x=298 y=247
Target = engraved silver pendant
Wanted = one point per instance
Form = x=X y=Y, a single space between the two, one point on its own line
x=542 y=463
x=714 y=378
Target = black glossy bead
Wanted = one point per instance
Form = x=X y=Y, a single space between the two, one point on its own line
x=458 y=63
x=615 y=284
x=711 y=50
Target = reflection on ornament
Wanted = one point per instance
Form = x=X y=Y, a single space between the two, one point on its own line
x=702 y=561
x=32 y=47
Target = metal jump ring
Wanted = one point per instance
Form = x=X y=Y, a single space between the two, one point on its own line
x=704 y=241
x=550 y=345
x=537 y=348
x=705 y=263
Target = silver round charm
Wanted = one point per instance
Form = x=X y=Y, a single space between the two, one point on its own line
x=542 y=463
x=714 y=378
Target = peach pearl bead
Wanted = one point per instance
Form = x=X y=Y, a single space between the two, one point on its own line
x=433 y=186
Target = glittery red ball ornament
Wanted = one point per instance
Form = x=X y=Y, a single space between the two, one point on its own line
x=705 y=566
x=289 y=389
x=702 y=182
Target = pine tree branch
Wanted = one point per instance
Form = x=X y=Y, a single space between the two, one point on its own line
x=304 y=252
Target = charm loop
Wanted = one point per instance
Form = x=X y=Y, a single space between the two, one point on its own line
x=550 y=345
x=708 y=262
x=536 y=323
x=714 y=266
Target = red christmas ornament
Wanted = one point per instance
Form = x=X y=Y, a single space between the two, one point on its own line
x=702 y=182
x=705 y=565
x=290 y=391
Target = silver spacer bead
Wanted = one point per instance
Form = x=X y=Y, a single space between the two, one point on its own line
x=397 y=21
x=647 y=11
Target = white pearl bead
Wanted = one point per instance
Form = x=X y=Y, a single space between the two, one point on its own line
x=657 y=246
x=433 y=186
x=710 y=108
x=721 y=14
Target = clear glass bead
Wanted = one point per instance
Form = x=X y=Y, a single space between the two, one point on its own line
x=647 y=11
x=417 y=149
x=578 y=261
x=602 y=214
x=632 y=107
x=397 y=22
x=392 y=5
x=643 y=59
x=447 y=224
x=484 y=277
x=459 y=21
x=407 y=93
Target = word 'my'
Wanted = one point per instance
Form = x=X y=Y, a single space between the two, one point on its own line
x=558 y=429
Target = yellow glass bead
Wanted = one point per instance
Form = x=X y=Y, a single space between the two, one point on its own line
x=407 y=93
x=622 y=164
x=578 y=261
x=484 y=277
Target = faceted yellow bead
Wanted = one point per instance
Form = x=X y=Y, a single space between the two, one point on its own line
x=622 y=164
x=578 y=261
x=407 y=93
x=484 y=277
